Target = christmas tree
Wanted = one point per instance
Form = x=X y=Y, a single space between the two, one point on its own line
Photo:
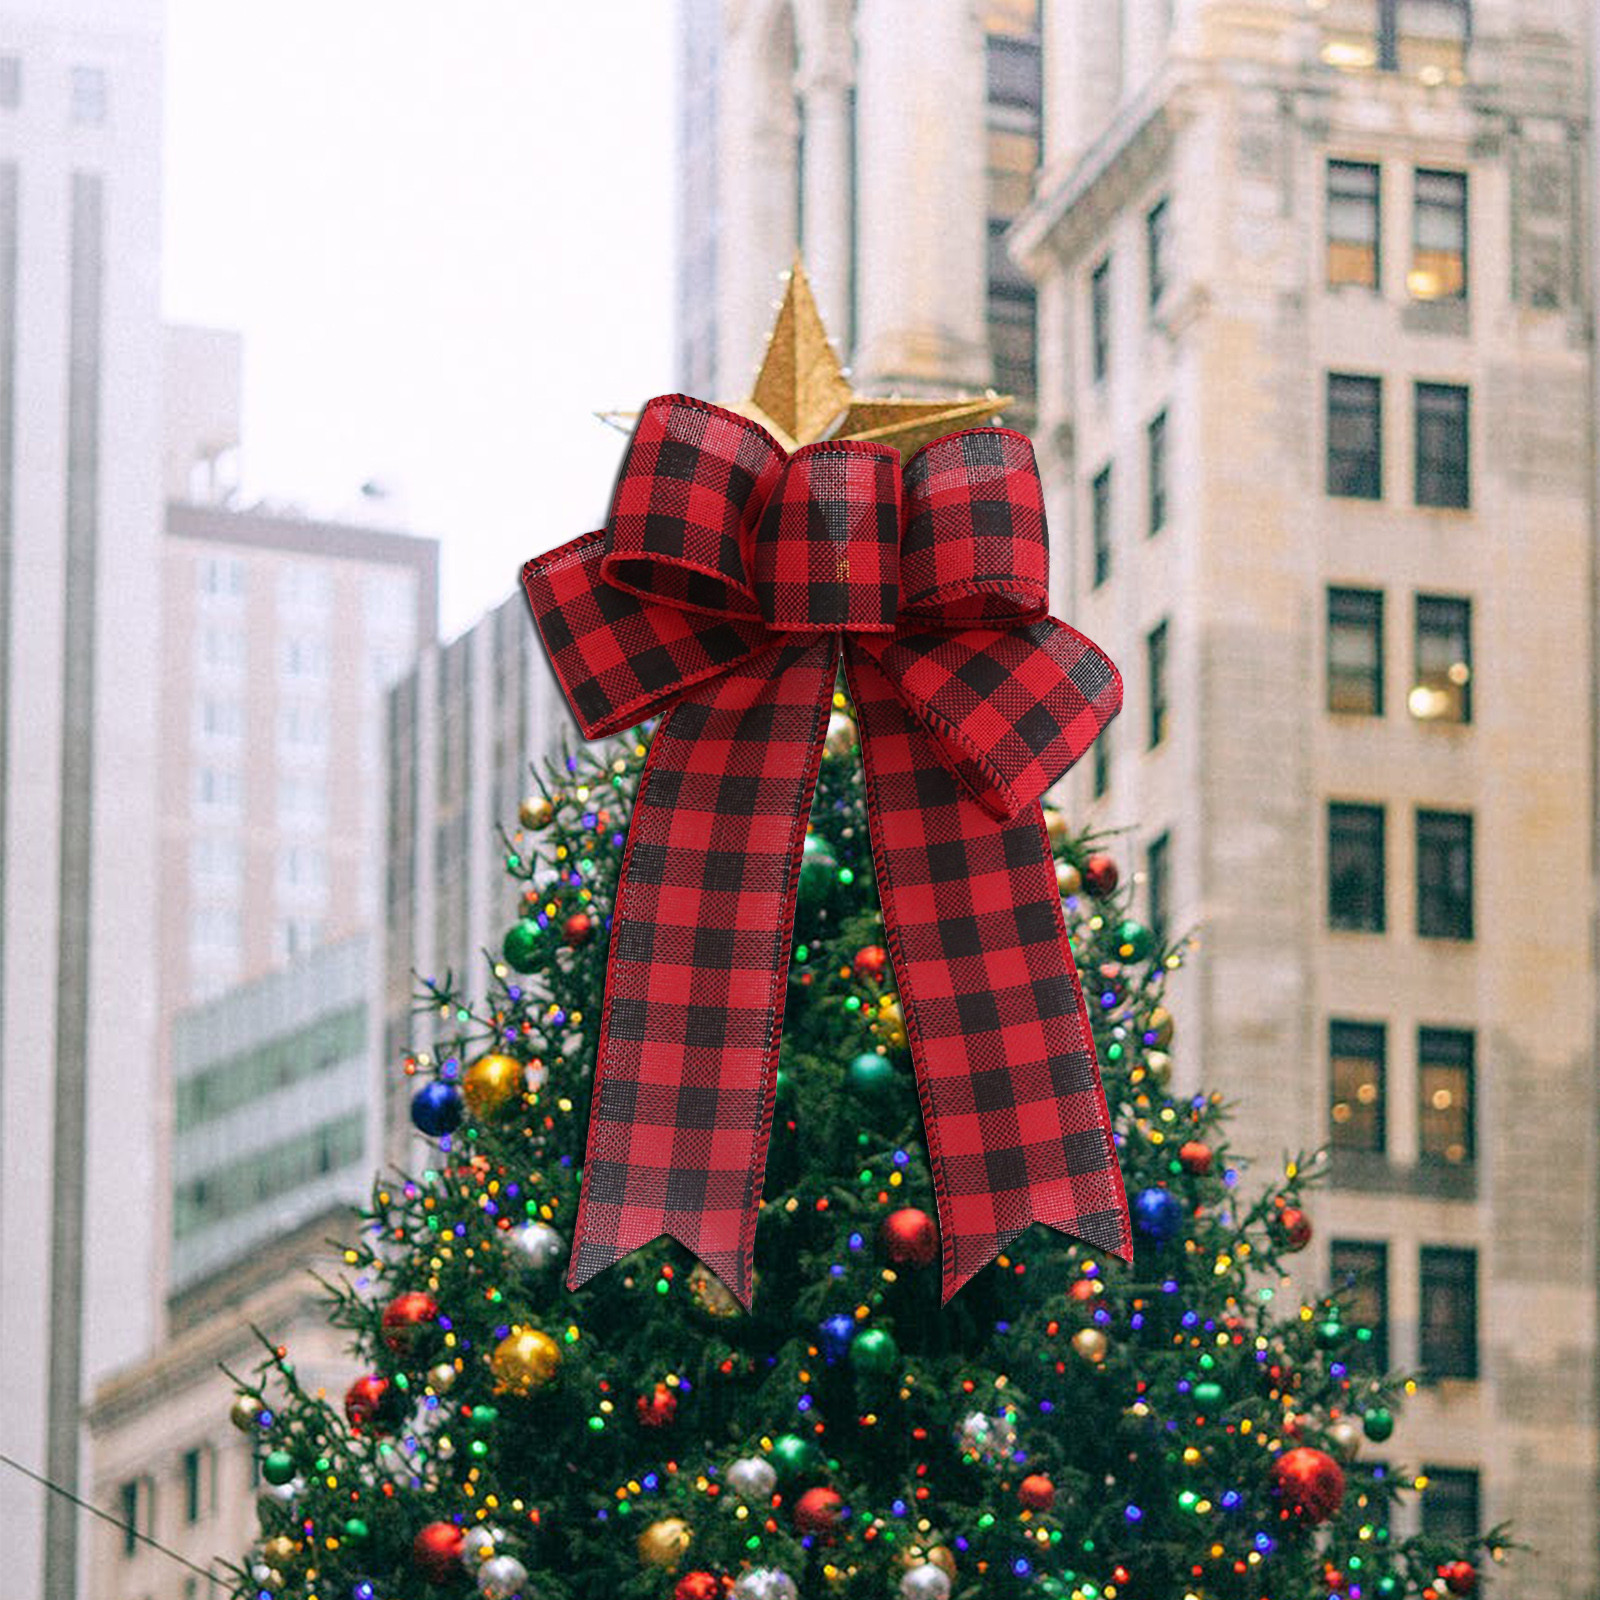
x=1067 y=1426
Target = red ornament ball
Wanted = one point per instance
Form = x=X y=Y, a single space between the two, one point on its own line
x=407 y=1318
x=436 y=1552
x=697 y=1586
x=817 y=1511
x=1100 y=876
x=1036 y=1492
x=1310 y=1483
x=1294 y=1228
x=909 y=1237
x=871 y=960
x=578 y=929
x=658 y=1408
x=1195 y=1157
x=1084 y=1289
x=371 y=1402
x=1460 y=1577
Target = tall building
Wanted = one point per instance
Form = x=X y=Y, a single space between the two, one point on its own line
x=80 y=530
x=1315 y=391
x=1312 y=397
x=464 y=727
x=894 y=158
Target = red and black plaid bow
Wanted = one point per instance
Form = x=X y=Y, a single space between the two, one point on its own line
x=730 y=579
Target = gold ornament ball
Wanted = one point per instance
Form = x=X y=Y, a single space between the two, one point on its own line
x=245 y=1412
x=1068 y=879
x=1159 y=1024
x=892 y=1024
x=535 y=812
x=663 y=1543
x=441 y=1377
x=492 y=1084
x=524 y=1360
x=841 y=736
x=279 y=1551
x=1090 y=1343
x=1344 y=1434
x=1055 y=825
x=1159 y=1065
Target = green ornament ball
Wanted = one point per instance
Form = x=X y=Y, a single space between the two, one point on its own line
x=1378 y=1423
x=1208 y=1396
x=1135 y=942
x=277 y=1467
x=793 y=1457
x=871 y=1073
x=874 y=1353
x=356 y=1530
x=521 y=945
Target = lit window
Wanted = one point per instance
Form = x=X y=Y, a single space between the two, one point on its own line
x=1445 y=1062
x=1442 y=448
x=1425 y=39
x=1357 y=1053
x=1355 y=436
x=1438 y=236
x=1443 y=688
x=1355 y=651
x=1353 y=223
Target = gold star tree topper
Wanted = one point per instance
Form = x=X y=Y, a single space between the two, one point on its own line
x=803 y=394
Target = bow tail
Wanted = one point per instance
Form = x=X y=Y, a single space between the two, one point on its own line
x=1014 y=1110
x=698 y=963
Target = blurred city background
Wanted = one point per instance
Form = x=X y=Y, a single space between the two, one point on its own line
x=306 y=313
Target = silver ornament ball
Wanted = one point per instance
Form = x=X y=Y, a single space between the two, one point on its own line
x=926 y=1582
x=752 y=1478
x=765 y=1583
x=477 y=1545
x=538 y=1244
x=501 y=1577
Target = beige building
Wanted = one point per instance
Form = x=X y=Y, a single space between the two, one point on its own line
x=1312 y=398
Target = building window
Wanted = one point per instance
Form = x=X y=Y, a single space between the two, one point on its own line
x=1353 y=223
x=1425 y=39
x=1158 y=884
x=1100 y=524
x=305 y=590
x=216 y=862
x=1156 y=229
x=219 y=789
x=1102 y=763
x=1355 y=651
x=10 y=82
x=1438 y=236
x=1355 y=436
x=199 y=1482
x=222 y=650
x=305 y=657
x=1442 y=451
x=1100 y=320
x=1444 y=874
x=221 y=719
x=1359 y=1269
x=1015 y=74
x=88 y=96
x=1449 y=1312
x=1357 y=1056
x=1156 y=668
x=136 y=1501
x=221 y=577
x=1442 y=691
x=1450 y=1505
x=1011 y=313
x=1156 y=470
x=1355 y=868
x=1445 y=1069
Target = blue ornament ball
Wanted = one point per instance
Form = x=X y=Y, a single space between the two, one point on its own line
x=1157 y=1213
x=835 y=1334
x=436 y=1109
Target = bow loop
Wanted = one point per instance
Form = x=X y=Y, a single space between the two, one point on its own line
x=975 y=546
x=827 y=556
x=691 y=490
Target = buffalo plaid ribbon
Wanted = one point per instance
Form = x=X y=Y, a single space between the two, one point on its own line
x=720 y=597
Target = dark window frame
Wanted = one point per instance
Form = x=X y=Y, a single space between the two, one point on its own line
x=1336 y=197
x=1100 y=514
x=1365 y=826
x=1354 y=611
x=1354 y=471
x=1437 y=607
x=1453 y=1050
x=1158 y=883
x=1371 y=1275
x=1447 y=1346
x=1459 y=206
x=1455 y=1516
x=1157 y=242
x=1100 y=320
x=1155 y=448
x=1445 y=910
x=1441 y=445
x=1101 y=763
x=1157 y=646
x=1368 y=1043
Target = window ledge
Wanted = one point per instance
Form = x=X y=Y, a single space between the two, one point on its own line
x=1374 y=1172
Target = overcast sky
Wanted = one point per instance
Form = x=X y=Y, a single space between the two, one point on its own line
x=445 y=234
